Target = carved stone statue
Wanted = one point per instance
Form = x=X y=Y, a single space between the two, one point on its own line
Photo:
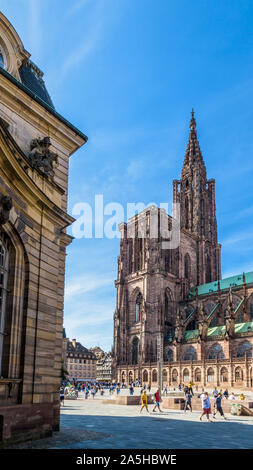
x=179 y=329
x=229 y=323
x=5 y=207
x=42 y=158
x=202 y=323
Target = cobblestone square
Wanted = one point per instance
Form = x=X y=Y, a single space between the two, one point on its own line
x=90 y=424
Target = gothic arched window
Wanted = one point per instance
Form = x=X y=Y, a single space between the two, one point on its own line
x=138 y=308
x=169 y=355
x=244 y=348
x=186 y=213
x=187 y=266
x=216 y=352
x=135 y=347
x=190 y=354
x=208 y=269
x=4 y=262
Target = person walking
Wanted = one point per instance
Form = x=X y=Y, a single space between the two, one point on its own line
x=232 y=396
x=218 y=406
x=157 y=401
x=149 y=388
x=144 y=401
x=166 y=390
x=206 y=406
x=226 y=394
x=188 y=401
x=62 y=396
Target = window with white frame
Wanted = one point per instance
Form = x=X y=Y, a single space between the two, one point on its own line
x=4 y=261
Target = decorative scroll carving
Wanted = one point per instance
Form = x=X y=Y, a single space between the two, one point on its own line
x=5 y=207
x=42 y=158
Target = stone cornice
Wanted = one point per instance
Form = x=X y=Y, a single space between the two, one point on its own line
x=34 y=110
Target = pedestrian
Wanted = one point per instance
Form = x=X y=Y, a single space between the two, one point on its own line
x=157 y=401
x=62 y=396
x=166 y=390
x=226 y=393
x=144 y=401
x=149 y=387
x=215 y=392
x=179 y=387
x=242 y=396
x=206 y=406
x=186 y=389
x=86 y=393
x=190 y=388
x=217 y=406
x=188 y=401
x=232 y=396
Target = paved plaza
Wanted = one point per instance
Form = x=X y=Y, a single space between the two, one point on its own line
x=90 y=424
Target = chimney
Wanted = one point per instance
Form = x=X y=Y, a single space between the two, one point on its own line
x=74 y=343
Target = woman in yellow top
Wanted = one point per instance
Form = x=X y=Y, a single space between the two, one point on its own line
x=242 y=397
x=144 y=401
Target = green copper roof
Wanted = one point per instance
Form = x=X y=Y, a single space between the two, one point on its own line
x=219 y=330
x=216 y=331
x=190 y=334
x=244 y=327
x=224 y=284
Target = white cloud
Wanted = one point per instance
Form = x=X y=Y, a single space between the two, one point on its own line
x=85 y=284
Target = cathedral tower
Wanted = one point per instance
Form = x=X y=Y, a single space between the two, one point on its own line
x=196 y=195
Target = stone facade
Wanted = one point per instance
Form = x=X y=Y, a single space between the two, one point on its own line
x=35 y=146
x=172 y=305
x=81 y=363
x=104 y=368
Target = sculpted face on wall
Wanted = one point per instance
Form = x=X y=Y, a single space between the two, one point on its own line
x=42 y=158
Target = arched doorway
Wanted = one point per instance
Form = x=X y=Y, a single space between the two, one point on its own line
x=186 y=376
x=165 y=375
x=224 y=374
x=154 y=376
x=197 y=375
x=145 y=376
x=238 y=374
x=210 y=374
x=130 y=377
x=174 y=375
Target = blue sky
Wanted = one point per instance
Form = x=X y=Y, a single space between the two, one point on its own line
x=127 y=73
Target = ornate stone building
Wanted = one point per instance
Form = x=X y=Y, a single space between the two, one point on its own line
x=172 y=303
x=104 y=368
x=81 y=362
x=35 y=145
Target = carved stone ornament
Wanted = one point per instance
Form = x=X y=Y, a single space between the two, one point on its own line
x=5 y=207
x=42 y=158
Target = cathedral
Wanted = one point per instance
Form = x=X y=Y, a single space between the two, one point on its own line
x=176 y=319
x=36 y=143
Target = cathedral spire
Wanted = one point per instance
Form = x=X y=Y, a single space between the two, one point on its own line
x=196 y=196
x=193 y=153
